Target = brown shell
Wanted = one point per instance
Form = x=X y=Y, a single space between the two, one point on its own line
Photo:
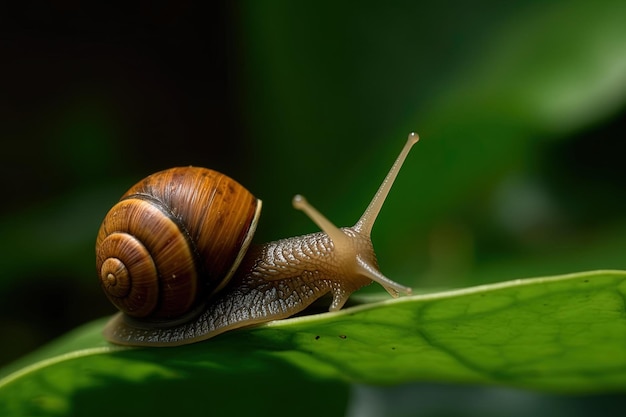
x=174 y=239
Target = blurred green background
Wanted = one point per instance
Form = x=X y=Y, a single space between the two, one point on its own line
x=520 y=106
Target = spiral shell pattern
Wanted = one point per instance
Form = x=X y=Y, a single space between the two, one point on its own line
x=173 y=239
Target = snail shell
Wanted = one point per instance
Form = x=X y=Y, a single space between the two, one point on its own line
x=173 y=239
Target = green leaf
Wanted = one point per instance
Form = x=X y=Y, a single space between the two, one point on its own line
x=558 y=334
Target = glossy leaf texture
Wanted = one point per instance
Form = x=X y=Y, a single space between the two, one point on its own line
x=563 y=334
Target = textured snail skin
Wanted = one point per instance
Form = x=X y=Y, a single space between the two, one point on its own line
x=275 y=281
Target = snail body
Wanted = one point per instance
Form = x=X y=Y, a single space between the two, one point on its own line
x=174 y=255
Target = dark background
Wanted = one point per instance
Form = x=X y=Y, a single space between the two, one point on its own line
x=519 y=172
x=93 y=99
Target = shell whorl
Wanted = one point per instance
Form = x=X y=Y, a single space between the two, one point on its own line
x=174 y=238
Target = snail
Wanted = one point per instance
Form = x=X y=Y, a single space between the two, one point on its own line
x=174 y=255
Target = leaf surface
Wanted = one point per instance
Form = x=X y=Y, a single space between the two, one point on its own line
x=557 y=334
